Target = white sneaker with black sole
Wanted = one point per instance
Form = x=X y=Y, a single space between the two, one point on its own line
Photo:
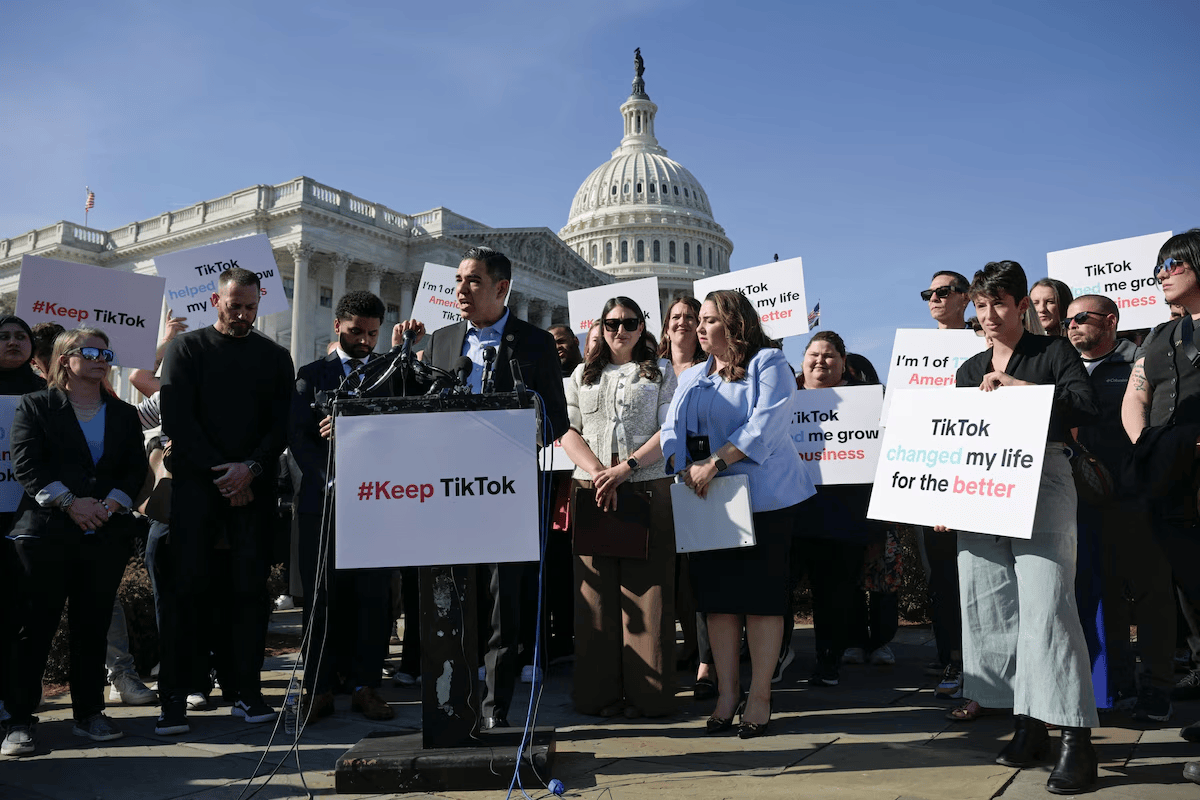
x=256 y=711
x=198 y=702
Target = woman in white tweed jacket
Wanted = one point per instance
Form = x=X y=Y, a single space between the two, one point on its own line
x=624 y=607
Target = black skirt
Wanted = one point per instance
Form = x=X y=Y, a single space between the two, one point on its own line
x=748 y=580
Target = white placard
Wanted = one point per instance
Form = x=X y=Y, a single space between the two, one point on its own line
x=10 y=489
x=775 y=289
x=924 y=358
x=1122 y=270
x=837 y=432
x=967 y=459
x=561 y=461
x=125 y=305
x=435 y=303
x=458 y=487
x=585 y=305
x=192 y=277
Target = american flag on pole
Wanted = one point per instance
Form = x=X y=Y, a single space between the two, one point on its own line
x=814 y=316
x=91 y=199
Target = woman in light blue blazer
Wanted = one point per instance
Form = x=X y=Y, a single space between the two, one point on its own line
x=731 y=416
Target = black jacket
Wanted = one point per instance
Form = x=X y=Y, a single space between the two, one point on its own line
x=532 y=347
x=48 y=445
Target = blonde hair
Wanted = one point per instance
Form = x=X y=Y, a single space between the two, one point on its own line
x=63 y=344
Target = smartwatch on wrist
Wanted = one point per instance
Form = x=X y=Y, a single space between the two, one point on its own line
x=720 y=462
x=254 y=467
x=632 y=463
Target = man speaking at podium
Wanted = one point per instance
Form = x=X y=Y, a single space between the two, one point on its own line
x=487 y=326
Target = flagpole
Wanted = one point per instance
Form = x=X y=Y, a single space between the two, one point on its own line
x=87 y=190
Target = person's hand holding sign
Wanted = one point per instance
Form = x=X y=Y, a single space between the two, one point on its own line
x=995 y=379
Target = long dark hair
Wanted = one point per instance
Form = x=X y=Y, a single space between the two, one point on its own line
x=643 y=350
x=664 y=341
x=743 y=330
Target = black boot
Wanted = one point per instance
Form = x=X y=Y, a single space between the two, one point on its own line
x=1076 y=769
x=1030 y=744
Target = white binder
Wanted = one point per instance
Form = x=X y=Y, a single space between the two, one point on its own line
x=721 y=520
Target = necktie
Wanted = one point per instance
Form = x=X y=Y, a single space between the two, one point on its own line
x=355 y=381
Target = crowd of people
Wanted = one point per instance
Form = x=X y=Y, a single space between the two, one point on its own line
x=1038 y=627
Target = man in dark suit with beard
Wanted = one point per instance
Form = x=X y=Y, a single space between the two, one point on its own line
x=350 y=611
x=481 y=285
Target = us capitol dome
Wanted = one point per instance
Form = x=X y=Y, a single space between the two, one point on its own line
x=641 y=214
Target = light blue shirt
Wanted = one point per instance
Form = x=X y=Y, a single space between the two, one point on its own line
x=754 y=415
x=476 y=341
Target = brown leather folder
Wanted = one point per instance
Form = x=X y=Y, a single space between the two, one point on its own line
x=623 y=533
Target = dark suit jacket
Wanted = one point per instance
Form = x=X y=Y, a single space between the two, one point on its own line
x=48 y=446
x=304 y=438
x=532 y=347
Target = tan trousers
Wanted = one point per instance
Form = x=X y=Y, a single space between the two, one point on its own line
x=625 y=621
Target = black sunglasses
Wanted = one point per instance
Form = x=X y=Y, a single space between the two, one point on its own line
x=93 y=354
x=942 y=292
x=629 y=323
x=1079 y=318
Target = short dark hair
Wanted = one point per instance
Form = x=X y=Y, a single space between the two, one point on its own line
x=1000 y=276
x=832 y=338
x=1106 y=304
x=360 y=304
x=44 y=334
x=238 y=277
x=1183 y=247
x=498 y=267
x=959 y=281
x=574 y=356
x=862 y=368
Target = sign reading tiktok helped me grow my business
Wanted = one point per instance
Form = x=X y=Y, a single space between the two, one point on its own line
x=837 y=430
x=192 y=277
x=964 y=458
x=1122 y=270
x=125 y=305
x=776 y=290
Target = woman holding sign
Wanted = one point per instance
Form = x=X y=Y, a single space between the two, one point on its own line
x=77 y=451
x=731 y=415
x=624 y=562
x=1023 y=647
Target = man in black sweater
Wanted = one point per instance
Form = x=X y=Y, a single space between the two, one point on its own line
x=226 y=392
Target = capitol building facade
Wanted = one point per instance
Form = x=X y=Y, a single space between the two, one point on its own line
x=641 y=214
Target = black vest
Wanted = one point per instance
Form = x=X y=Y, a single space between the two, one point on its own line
x=1175 y=381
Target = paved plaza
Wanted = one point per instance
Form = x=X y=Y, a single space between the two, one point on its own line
x=880 y=734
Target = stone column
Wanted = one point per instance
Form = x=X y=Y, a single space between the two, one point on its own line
x=341 y=263
x=301 y=335
x=539 y=313
x=408 y=286
x=375 y=274
x=520 y=305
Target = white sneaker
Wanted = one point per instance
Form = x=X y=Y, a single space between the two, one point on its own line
x=854 y=655
x=198 y=702
x=129 y=690
x=18 y=741
x=883 y=657
x=788 y=657
x=284 y=603
x=530 y=673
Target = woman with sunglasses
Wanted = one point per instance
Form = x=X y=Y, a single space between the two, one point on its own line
x=731 y=415
x=1023 y=646
x=624 y=605
x=77 y=451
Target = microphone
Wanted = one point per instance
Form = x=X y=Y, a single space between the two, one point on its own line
x=518 y=379
x=489 y=365
x=406 y=346
x=462 y=371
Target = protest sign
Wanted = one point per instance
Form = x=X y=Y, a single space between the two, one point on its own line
x=584 y=305
x=775 y=289
x=1122 y=270
x=10 y=489
x=192 y=277
x=837 y=431
x=125 y=305
x=967 y=459
x=923 y=358
x=556 y=458
x=445 y=507
x=435 y=303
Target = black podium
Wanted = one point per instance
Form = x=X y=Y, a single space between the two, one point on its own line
x=450 y=752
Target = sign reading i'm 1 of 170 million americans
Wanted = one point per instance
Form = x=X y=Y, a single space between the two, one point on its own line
x=923 y=358
x=964 y=458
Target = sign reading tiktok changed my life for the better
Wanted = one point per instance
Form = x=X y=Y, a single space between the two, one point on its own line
x=964 y=458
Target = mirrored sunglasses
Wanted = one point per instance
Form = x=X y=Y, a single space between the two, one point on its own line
x=93 y=354
x=1171 y=266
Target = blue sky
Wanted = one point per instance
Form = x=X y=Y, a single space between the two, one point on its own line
x=879 y=141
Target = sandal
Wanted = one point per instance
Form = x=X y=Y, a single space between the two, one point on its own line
x=971 y=711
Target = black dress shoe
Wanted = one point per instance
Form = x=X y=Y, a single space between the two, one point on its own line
x=1076 y=768
x=487 y=723
x=715 y=724
x=1030 y=744
x=748 y=730
x=704 y=689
